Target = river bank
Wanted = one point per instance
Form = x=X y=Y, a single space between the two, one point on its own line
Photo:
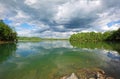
x=3 y=42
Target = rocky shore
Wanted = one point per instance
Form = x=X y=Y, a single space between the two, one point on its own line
x=87 y=74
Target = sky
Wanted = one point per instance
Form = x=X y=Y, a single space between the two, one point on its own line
x=60 y=18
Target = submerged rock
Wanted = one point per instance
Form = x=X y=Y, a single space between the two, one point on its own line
x=88 y=74
x=63 y=77
x=92 y=78
x=101 y=75
x=109 y=78
x=72 y=76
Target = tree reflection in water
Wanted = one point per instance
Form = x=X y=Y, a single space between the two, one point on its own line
x=7 y=50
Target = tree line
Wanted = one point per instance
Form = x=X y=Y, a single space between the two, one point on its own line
x=92 y=36
x=29 y=39
x=7 y=33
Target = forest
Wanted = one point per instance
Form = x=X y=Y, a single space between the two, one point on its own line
x=94 y=37
x=7 y=33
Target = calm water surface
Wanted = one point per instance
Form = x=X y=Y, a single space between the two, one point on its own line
x=51 y=59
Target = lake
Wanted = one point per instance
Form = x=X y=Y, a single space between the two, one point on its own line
x=53 y=59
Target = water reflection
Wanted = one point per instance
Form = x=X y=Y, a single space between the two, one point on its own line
x=114 y=56
x=99 y=45
x=52 y=59
x=109 y=52
x=111 y=48
x=6 y=50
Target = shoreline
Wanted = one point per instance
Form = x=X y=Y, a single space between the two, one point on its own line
x=4 y=42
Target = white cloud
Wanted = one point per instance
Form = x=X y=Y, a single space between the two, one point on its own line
x=3 y=11
x=60 y=18
x=30 y=2
x=19 y=18
x=106 y=17
x=114 y=27
x=73 y=9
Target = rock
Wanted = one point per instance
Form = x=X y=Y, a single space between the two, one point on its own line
x=91 y=75
x=63 y=77
x=92 y=78
x=100 y=75
x=109 y=78
x=72 y=76
x=88 y=74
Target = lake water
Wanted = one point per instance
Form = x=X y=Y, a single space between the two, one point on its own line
x=52 y=59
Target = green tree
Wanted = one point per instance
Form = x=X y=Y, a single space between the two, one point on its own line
x=92 y=36
x=115 y=36
x=6 y=33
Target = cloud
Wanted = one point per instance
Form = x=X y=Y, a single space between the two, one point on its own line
x=75 y=14
x=60 y=18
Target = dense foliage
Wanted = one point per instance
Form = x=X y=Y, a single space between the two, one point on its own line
x=115 y=36
x=6 y=33
x=92 y=36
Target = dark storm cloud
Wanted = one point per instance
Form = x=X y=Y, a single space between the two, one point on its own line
x=41 y=30
x=79 y=23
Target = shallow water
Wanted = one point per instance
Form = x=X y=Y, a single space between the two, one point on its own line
x=52 y=59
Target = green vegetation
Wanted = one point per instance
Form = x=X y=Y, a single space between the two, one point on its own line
x=54 y=39
x=115 y=36
x=29 y=39
x=38 y=39
x=6 y=33
x=94 y=37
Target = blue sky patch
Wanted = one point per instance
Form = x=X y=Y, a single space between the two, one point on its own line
x=113 y=23
x=7 y=21
x=26 y=26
